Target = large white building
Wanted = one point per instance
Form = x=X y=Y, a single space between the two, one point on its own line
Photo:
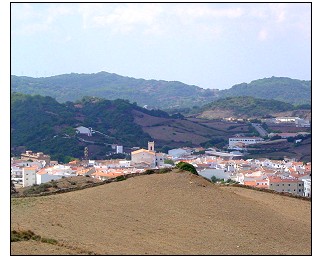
x=84 y=130
x=29 y=176
x=148 y=157
x=234 y=141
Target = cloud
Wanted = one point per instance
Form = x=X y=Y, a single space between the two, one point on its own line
x=30 y=19
x=196 y=11
x=122 y=18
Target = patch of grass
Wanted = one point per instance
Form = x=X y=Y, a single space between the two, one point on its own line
x=164 y=170
x=26 y=235
x=49 y=241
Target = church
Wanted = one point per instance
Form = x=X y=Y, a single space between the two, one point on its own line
x=148 y=157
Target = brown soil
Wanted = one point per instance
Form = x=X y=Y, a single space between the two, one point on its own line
x=164 y=214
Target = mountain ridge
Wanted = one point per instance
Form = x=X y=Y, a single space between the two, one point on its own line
x=168 y=95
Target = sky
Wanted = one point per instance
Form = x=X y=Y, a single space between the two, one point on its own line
x=211 y=45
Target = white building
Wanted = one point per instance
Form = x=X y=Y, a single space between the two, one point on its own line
x=307 y=187
x=218 y=173
x=53 y=173
x=148 y=157
x=244 y=140
x=290 y=185
x=177 y=153
x=29 y=176
x=119 y=149
x=84 y=130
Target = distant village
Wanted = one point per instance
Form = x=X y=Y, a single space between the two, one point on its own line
x=287 y=175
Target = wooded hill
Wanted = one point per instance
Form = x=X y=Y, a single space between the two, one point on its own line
x=246 y=107
x=40 y=123
x=165 y=95
x=153 y=93
x=275 y=88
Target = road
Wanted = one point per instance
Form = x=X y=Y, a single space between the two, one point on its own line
x=260 y=129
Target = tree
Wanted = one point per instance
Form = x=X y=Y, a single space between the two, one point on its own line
x=187 y=167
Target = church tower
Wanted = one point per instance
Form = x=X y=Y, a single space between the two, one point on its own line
x=151 y=145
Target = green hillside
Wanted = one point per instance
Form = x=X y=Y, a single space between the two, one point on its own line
x=154 y=93
x=277 y=88
x=248 y=106
x=42 y=124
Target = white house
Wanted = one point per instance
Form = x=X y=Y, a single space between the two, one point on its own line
x=84 y=130
x=55 y=172
x=29 y=176
x=43 y=176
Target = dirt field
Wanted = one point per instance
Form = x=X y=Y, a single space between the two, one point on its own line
x=164 y=214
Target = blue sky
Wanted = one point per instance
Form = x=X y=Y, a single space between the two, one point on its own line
x=208 y=45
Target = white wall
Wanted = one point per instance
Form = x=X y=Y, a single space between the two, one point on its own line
x=44 y=178
x=29 y=177
x=218 y=173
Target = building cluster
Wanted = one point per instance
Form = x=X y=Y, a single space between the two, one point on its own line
x=38 y=168
x=279 y=175
x=296 y=121
x=285 y=175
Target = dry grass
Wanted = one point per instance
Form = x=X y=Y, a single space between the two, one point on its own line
x=172 y=213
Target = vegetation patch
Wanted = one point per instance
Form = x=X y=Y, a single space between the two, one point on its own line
x=26 y=235
x=187 y=167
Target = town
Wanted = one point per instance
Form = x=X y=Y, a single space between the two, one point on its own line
x=287 y=175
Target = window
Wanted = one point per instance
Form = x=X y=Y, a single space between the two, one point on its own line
x=289 y=185
x=299 y=185
x=299 y=190
x=283 y=184
x=277 y=185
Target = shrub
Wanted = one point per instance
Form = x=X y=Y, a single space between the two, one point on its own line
x=187 y=167
x=120 y=178
x=149 y=172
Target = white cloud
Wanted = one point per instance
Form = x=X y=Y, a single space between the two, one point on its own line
x=122 y=18
x=195 y=11
x=33 y=18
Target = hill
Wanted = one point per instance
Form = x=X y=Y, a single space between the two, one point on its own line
x=166 y=95
x=244 y=107
x=176 y=213
x=154 y=93
x=40 y=123
x=284 y=89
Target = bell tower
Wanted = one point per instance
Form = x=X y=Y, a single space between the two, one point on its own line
x=151 y=146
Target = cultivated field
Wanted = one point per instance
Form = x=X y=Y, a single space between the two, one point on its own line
x=164 y=214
